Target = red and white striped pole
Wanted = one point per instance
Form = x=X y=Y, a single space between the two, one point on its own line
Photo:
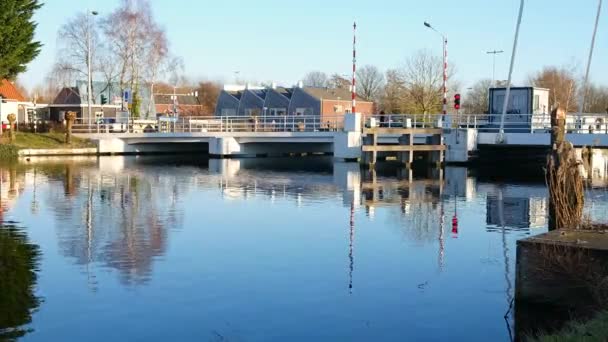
x=354 y=87
x=445 y=75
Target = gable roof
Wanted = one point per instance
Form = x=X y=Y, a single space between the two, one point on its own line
x=68 y=95
x=260 y=93
x=165 y=99
x=287 y=92
x=235 y=94
x=339 y=94
x=8 y=91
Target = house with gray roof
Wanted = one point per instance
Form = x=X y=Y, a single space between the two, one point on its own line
x=252 y=102
x=277 y=101
x=228 y=103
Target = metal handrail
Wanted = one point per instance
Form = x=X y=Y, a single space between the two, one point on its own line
x=203 y=124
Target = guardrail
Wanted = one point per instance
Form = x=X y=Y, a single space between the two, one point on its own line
x=197 y=124
x=514 y=123
x=532 y=123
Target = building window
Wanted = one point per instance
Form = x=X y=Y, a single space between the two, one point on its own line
x=304 y=111
x=278 y=111
x=536 y=105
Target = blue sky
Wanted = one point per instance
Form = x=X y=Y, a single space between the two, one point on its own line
x=271 y=40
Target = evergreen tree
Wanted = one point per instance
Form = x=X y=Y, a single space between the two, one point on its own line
x=17 y=47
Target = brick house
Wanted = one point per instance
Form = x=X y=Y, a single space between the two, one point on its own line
x=188 y=105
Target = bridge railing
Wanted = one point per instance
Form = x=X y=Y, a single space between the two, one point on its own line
x=528 y=123
x=405 y=120
x=204 y=124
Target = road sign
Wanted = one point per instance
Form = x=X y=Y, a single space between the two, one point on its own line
x=99 y=117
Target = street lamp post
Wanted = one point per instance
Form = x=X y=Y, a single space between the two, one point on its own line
x=494 y=53
x=89 y=61
x=444 y=40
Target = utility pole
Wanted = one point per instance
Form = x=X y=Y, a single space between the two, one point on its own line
x=354 y=86
x=494 y=53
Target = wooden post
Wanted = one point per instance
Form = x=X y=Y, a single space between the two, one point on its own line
x=11 y=121
x=566 y=193
x=407 y=158
x=69 y=117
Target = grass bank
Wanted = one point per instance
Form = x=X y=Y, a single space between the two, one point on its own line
x=593 y=330
x=44 y=141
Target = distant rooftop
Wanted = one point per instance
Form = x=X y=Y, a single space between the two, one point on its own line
x=8 y=91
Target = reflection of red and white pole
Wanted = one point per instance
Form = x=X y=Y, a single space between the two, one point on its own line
x=351 y=257
x=455 y=219
x=354 y=87
x=445 y=75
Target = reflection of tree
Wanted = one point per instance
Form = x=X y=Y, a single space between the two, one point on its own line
x=18 y=264
x=118 y=221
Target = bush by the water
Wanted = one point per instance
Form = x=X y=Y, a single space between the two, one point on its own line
x=8 y=151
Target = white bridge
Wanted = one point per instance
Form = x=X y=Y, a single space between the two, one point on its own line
x=341 y=136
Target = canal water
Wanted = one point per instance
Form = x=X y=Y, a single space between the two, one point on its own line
x=157 y=249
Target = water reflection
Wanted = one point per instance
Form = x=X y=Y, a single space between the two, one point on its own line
x=120 y=220
x=122 y=214
x=18 y=266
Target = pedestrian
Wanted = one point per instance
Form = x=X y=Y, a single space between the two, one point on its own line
x=382 y=118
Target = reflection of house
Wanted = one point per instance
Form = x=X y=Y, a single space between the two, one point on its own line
x=516 y=212
x=297 y=101
x=185 y=104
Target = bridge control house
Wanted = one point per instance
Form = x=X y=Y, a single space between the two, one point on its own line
x=324 y=103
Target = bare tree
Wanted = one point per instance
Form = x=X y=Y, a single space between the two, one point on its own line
x=394 y=95
x=422 y=75
x=339 y=82
x=132 y=34
x=208 y=93
x=370 y=82
x=316 y=79
x=157 y=56
x=561 y=83
x=596 y=99
x=476 y=100
x=73 y=54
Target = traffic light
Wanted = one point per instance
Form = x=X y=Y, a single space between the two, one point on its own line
x=457 y=101
x=104 y=99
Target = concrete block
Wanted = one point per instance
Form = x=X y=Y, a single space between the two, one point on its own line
x=224 y=146
x=347 y=145
x=352 y=122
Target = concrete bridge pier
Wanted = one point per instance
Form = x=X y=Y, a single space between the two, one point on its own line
x=222 y=147
x=347 y=144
